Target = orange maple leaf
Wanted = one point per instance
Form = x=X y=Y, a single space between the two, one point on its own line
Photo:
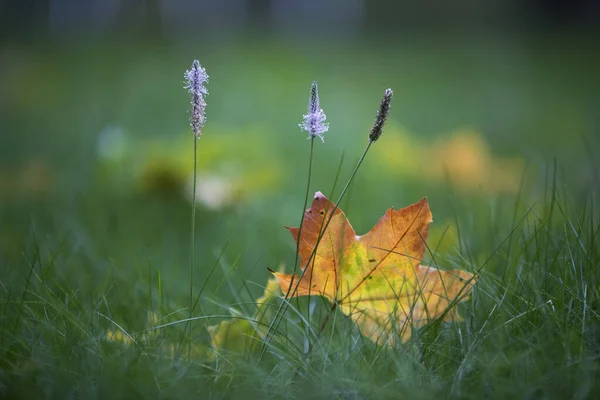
x=377 y=278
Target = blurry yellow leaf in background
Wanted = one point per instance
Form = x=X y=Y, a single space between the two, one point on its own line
x=231 y=168
x=464 y=157
x=34 y=177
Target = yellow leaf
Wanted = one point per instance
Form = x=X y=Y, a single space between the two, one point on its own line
x=234 y=335
x=376 y=279
x=116 y=335
x=237 y=335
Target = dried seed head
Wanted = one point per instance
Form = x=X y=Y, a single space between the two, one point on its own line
x=313 y=100
x=382 y=115
x=314 y=122
x=195 y=78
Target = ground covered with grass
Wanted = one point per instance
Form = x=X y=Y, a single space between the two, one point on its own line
x=95 y=185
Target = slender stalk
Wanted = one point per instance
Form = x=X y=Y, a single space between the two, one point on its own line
x=283 y=307
x=310 y=163
x=195 y=78
x=192 y=245
x=324 y=323
x=296 y=259
x=358 y=164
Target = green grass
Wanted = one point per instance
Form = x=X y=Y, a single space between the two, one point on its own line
x=104 y=246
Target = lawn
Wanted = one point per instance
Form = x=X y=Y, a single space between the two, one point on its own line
x=96 y=163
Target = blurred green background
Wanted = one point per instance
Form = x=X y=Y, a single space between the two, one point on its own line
x=96 y=152
x=495 y=118
x=492 y=100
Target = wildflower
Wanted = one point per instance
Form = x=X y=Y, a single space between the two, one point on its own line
x=195 y=78
x=314 y=122
x=382 y=115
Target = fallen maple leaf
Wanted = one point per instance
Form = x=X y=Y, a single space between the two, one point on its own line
x=376 y=279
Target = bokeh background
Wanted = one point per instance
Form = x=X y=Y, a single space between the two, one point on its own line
x=493 y=99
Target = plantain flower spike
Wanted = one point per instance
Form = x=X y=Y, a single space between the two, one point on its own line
x=314 y=122
x=195 y=78
x=382 y=115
